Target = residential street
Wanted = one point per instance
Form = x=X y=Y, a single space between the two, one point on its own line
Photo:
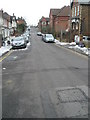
x=35 y=80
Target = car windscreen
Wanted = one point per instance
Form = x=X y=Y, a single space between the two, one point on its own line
x=18 y=39
x=49 y=36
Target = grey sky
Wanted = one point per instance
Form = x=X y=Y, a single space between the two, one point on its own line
x=31 y=10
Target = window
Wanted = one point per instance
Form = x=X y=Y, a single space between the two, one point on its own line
x=75 y=11
x=77 y=26
x=73 y=26
x=78 y=11
x=72 y=12
x=43 y=23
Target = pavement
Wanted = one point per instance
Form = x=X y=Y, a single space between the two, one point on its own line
x=74 y=47
x=5 y=49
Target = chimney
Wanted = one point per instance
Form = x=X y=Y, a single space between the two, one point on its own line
x=1 y=12
x=13 y=14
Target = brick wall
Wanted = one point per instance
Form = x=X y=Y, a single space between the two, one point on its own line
x=61 y=23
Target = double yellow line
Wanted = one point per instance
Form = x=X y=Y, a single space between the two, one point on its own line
x=5 y=56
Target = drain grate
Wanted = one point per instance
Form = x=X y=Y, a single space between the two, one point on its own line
x=71 y=95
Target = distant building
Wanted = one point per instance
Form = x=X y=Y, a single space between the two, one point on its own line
x=21 y=21
x=44 y=24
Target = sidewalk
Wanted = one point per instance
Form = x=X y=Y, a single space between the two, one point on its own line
x=74 y=47
x=5 y=49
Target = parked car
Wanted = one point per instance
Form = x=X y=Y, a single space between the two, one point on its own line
x=26 y=38
x=19 y=42
x=86 y=38
x=86 y=41
x=39 y=33
x=48 y=38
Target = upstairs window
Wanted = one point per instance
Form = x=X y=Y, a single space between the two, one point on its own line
x=43 y=23
x=75 y=11
x=78 y=11
x=72 y=12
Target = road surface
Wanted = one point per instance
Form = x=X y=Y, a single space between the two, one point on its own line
x=36 y=80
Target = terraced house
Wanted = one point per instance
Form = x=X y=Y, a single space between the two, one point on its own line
x=7 y=25
x=80 y=18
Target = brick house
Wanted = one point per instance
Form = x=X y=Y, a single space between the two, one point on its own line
x=7 y=25
x=52 y=15
x=21 y=21
x=44 y=24
x=62 y=21
x=80 y=17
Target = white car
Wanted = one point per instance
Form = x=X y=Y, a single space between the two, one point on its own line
x=48 y=38
x=19 y=42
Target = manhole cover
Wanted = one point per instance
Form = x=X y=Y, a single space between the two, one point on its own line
x=71 y=95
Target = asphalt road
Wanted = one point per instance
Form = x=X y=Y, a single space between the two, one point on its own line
x=29 y=78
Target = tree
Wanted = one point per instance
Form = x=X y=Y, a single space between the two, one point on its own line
x=21 y=28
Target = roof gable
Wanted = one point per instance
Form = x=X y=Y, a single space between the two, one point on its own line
x=65 y=11
x=6 y=16
x=54 y=11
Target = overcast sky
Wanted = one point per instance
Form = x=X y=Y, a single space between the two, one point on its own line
x=31 y=10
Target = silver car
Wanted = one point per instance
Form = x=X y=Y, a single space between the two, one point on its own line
x=48 y=38
x=19 y=42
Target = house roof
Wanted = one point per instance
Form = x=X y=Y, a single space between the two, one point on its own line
x=55 y=11
x=6 y=16
x=46 y=18
x=65 y=11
